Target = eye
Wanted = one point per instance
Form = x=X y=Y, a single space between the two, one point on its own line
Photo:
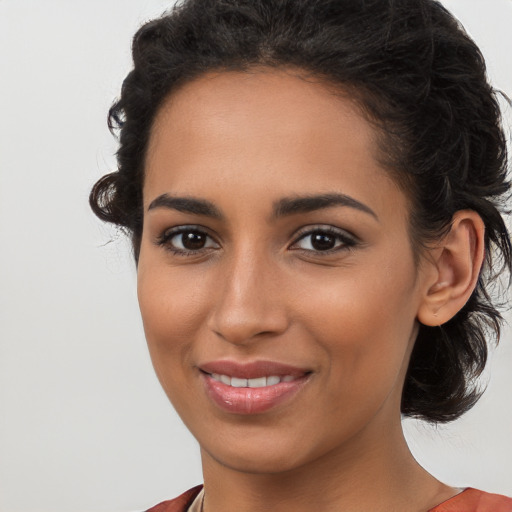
x=324 y=239
x=186 y=240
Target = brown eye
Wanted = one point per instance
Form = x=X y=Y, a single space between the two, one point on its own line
x=322 y=241
x=184 y=240
x=325 y=240
x=193 y=240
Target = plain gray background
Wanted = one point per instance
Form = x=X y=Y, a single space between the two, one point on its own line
x=84 y=425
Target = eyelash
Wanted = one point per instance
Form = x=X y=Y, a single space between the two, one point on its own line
x=164 y=240
x=346 y=240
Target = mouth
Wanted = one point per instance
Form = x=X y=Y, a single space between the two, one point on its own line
x=258 y=382
x=251 y=388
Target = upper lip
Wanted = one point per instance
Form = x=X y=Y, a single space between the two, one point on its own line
x=251 y=370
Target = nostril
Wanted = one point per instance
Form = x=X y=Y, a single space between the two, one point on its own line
x=245 y=308
x=242 y=326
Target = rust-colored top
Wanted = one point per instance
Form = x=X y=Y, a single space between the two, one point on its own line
x=179 y=504
x=470 y=500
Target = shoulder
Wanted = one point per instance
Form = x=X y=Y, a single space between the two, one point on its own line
x=473 y=500
x=179 y=504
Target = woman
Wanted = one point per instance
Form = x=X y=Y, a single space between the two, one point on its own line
x=313 y=192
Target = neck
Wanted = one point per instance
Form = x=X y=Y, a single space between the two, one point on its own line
x=373 y=472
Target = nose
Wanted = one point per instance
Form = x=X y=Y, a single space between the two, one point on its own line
x=249 y=302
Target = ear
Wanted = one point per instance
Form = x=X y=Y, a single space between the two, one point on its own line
x=453 y=268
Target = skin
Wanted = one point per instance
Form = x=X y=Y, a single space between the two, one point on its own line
x=258 y=289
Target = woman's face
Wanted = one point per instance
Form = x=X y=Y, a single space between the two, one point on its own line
x=276 y=278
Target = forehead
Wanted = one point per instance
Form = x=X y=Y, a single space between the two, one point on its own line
x=270 y=132
x=217 y=105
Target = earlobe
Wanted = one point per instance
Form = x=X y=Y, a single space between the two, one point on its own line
x=455 y=266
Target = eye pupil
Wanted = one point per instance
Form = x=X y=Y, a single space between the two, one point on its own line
x=322 y=241
x=193 y=240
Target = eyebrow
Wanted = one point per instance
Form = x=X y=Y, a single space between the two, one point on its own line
x=305 y=204
x=186 y=205
x=284 y=207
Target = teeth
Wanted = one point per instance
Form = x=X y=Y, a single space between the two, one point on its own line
x=238 y=383
x=225 y=380
x=258 y=382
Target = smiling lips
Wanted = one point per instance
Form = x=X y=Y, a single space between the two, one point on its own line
x=251 y=388
x=258 y=382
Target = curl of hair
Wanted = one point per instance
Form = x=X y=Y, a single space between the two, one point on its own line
x=416 y=75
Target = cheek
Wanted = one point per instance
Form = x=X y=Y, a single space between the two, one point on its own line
x=168 y=314
x=172 y=299
x=365 y=324
x=173 y=311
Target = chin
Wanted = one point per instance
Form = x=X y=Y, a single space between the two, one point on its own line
x=256 y=461
x=263 y=452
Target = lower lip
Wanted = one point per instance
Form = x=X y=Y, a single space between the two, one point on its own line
x=251 y=400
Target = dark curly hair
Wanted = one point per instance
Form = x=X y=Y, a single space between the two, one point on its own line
x=416 y=75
